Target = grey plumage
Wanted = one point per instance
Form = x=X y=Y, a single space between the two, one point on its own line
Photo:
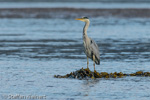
x=90 y=47
x=95 y=50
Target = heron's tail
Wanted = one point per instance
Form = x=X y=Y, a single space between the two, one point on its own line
x=97 y=61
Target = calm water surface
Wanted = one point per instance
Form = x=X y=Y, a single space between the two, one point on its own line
x=33 y=50
x=73 y=4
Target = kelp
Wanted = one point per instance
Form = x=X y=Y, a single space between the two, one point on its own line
x=87 y=73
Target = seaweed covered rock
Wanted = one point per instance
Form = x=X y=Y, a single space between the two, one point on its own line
x=86 y=73
x=79 y=74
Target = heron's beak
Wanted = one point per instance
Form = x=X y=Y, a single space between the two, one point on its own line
x=81 y=19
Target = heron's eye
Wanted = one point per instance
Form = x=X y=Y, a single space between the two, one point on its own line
x=85 y=17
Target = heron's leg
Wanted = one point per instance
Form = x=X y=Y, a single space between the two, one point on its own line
x=94 y=61
x=87 y=63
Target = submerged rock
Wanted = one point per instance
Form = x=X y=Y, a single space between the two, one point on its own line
x=86 y=73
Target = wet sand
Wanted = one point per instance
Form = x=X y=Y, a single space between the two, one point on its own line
x=72 y=12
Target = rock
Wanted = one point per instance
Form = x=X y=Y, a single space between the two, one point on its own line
x=86 y=74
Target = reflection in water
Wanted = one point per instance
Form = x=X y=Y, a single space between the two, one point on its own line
x=88 y=85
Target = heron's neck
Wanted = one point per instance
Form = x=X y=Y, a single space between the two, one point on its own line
x=87 y=23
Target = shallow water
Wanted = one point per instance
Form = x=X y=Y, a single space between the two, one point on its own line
x=33 y=50
x=83 y=4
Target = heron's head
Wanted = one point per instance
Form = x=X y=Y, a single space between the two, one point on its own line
x=84 y=19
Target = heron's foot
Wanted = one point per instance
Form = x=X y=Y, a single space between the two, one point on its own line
x=87 y=67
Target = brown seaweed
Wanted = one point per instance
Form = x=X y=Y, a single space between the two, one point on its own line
x=86 y=73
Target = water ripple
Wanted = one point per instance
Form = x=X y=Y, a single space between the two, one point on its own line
x=110 y=49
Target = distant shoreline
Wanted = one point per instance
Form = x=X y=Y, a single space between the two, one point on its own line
x=74 y=1
x=73 y=12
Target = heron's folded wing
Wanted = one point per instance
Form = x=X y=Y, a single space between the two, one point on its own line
x=95 y=50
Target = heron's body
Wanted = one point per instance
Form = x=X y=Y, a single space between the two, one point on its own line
x=90 y=47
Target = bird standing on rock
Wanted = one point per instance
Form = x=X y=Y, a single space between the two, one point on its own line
x=90 y=47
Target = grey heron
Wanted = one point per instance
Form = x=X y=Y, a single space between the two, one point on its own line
x=90 y=47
